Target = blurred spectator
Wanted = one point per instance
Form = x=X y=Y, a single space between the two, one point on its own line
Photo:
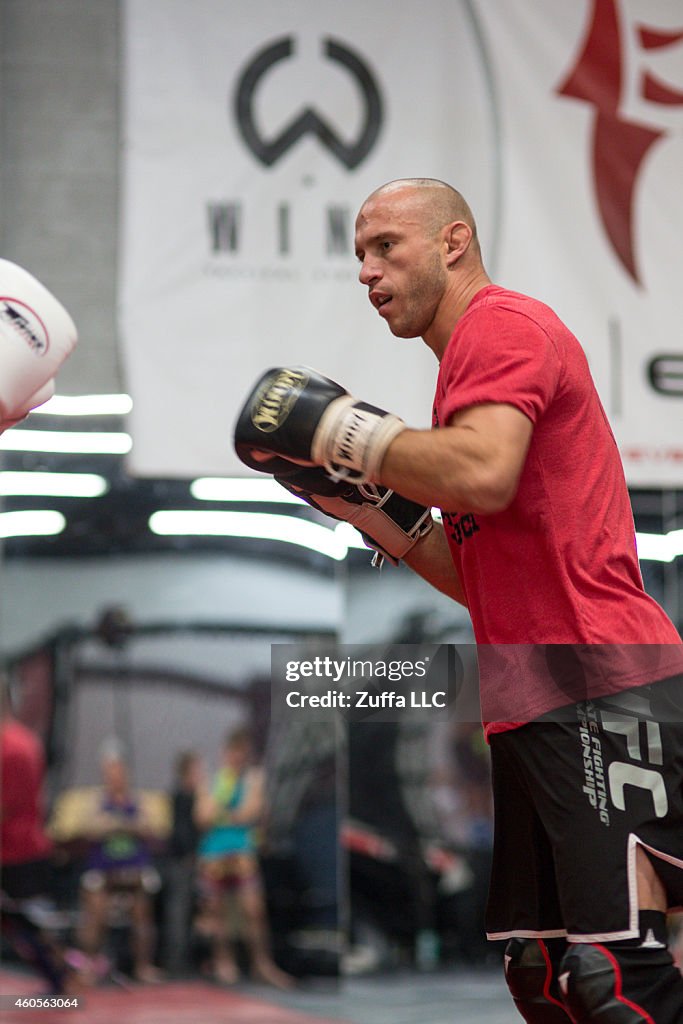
x=301 y=841
x=181 y=865
x=472 y=760
x=465 y=803
x=25 y=849
x=230 y=812
x=119 y=869
x=24 y=844
x=389 y=799
x=303 y=782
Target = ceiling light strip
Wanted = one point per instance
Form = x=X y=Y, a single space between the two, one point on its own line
x=67 y=442
x=242 y=489
x=86 y=405
x=254 y=525
x=32 y=523
x=58 y=485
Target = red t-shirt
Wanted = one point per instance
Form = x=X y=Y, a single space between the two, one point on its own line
x=559 y=565
x=22 y=835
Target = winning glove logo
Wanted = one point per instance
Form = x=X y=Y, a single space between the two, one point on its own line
x=275 y=399
x=25 y=323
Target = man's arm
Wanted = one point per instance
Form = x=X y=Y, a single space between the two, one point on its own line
x=431 y=559
x=100 y=823
x=205 y=808
x=251 y=809
x=472 y=465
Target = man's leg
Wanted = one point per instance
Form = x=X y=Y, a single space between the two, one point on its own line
x=627 y=982
x=255 y=919
x=531 y=973
x=94 y=904
x=633 y=982
x=144 y=935
x=523 y=891
x=32 y=945
x=616 y=784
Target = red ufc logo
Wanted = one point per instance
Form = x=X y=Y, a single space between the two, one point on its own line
x=616 y=73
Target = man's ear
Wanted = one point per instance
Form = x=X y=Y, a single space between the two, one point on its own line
x=458 y=237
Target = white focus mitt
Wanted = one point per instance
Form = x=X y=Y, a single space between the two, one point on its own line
x=36 y=336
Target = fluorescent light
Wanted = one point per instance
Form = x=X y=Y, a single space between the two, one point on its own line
x=39 y=523
x=86 y=405
x=64 y=485
x=258 y=525
x=71 y=442
x=658 y=547
x=215 y=488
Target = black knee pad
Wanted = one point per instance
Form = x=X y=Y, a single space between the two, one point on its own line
x=531 y=978
x=621 y=985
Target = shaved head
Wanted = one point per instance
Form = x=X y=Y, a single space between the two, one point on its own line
x=435 y=202
x=416 y=242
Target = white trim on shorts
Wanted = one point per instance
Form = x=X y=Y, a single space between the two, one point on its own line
x=633 y=930
x=525 y=933
x=633 y=842
x=668 y=857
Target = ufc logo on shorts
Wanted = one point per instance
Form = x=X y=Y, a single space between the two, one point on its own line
x=625 y=773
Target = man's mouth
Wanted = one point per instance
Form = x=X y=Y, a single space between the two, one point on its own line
x=380 y=301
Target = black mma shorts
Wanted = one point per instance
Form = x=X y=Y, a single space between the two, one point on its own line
x=575 y=792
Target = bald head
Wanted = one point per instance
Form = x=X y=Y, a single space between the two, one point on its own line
x=419 y=257
x=434 y=202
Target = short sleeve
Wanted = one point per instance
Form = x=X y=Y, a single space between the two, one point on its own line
x=499 y=355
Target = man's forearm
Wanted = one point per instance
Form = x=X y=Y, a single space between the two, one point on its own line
x=431 y=559
x=471 y=465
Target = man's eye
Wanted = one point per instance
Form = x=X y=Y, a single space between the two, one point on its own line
x=386 y=246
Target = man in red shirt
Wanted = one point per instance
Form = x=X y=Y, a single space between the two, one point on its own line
x=581 y=672
x=25 y=848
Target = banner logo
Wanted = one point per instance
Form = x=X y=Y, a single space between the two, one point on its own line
x=620 y=142
x=308 y=122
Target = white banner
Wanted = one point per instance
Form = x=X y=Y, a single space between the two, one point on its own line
x=252 y=133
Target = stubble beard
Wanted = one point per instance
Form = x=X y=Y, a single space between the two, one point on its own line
x=422 y=300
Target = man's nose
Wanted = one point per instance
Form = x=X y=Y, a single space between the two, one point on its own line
x=368 y=273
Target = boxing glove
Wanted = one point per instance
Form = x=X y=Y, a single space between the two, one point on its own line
x=36 y=336
x=294 y=414
x=388 y=522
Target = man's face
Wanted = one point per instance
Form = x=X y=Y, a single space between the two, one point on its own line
x=402 y=264
x=115 y=774
x=237 y=756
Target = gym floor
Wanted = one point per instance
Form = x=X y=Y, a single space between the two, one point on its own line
x=456 y=997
